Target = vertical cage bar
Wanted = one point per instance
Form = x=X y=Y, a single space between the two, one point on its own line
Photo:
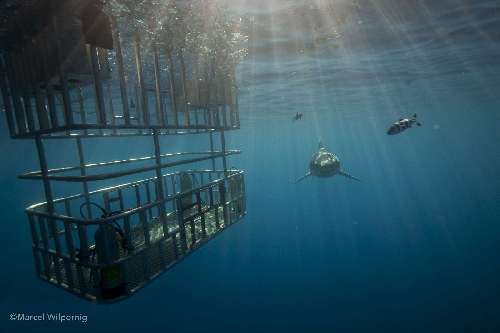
x=36 y=240
x=159 y=101
x=127 y=230
x=68 y=113
x=184 y=90
x=109 y=90
x=82 y=231
x=121 y=72
x=202 y=215
x=138 y=106
x=44 y=172
x=84 y=257
x=145 y=228
x=148 y=198
x=54 y=234
x=222 y=193
x=173 y=95
x=161 y=190
x=236 y=106
x=69 y=273
x=214 y=206
x=18 y=107
x=68 y=232
x=100 y=106
x=137 y=196
x=45 y=242
x=26 y=89
x=174 y=245
x=212 y=149
x=193 y=231
x=205 y=116
x=172 y=180
x=165 y=186
x=107 y=206
x=4 y=84
x=50 y=203
x=68 y=235
x=223 y=148
x=147 y=242
x=120 y=199
x=83 y=172
x=44 y=59
x=43 y=118
x=140 y=80
x=83 y=115
x=34 y=235
x=180 y=223
x=224 y=115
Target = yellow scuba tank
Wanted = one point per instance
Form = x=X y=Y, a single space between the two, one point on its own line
x=108 y=247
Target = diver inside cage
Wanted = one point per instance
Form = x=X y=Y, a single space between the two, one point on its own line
x=111 y=244
x=188 y=183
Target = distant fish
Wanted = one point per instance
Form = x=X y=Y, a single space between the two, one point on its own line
x=325 y=164
x=402 y=125
x=298 y=116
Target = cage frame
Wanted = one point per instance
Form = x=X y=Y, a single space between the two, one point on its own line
x=33 y=112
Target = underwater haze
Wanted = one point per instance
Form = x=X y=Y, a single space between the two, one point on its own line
x=413 y=247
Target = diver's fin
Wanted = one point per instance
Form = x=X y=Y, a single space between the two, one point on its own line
x=345 y=174
x=303 y=177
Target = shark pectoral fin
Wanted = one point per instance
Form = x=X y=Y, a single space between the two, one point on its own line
x=345 y=174
x=303 y=177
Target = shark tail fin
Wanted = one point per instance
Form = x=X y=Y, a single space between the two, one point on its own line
x=345 y=174
x=303 y=177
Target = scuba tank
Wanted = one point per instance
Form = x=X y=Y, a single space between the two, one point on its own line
x=108 y=247
x=186 y=185
x=110 y=243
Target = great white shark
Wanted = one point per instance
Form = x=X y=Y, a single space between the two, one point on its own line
x=325 y=164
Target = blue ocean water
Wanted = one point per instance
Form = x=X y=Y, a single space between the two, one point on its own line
x=412 y=248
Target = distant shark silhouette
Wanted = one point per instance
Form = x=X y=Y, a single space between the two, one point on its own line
x=325 y=164
x=402 y=125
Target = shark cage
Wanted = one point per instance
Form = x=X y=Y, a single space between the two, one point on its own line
x=79 y=76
